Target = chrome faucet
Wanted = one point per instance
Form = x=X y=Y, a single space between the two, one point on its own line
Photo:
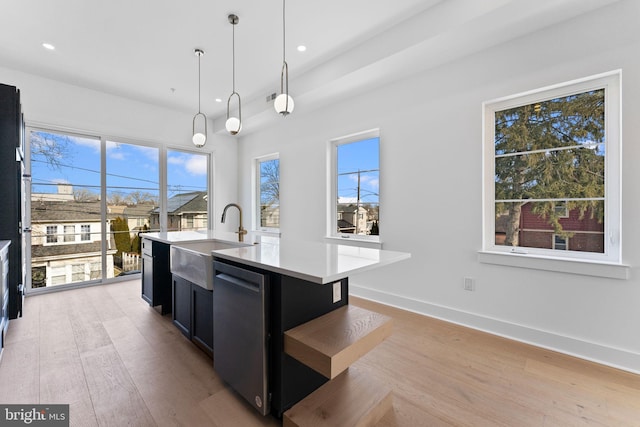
x=241 y=231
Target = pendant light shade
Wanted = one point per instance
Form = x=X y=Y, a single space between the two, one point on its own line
x=234 y=124
x=284 y=102
x=199 y=138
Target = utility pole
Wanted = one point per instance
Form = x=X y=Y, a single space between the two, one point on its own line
x=358 y=204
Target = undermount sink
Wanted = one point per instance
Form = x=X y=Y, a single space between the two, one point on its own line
x=194 y=262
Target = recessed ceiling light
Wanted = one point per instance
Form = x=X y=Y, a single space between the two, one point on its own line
x=48 y=46
x=218 y=100
x=302 y=48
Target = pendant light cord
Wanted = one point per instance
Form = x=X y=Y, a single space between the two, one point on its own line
x=284 y=74
x=199 y=55
x=283 y=33
x=233 y=54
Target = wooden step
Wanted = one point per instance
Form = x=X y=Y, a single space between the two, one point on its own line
x=350 y=400
x=330 y=343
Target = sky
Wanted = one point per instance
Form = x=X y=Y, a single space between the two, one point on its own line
x=129 y=167
x=359 y=156
x=136 y=167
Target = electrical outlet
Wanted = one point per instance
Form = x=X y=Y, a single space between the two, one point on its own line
x=337 y=292
x=469 y=284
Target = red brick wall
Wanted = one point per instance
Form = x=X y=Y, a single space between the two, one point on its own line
x=530 y=220
x=530 y=237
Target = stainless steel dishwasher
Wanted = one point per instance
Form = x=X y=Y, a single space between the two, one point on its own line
x=240 y=332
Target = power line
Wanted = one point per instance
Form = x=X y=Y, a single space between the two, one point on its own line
x=98 y=172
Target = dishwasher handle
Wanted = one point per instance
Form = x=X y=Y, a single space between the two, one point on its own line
x=254 y=287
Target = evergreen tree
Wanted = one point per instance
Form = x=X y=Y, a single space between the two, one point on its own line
x=550 y=150
x=120 y=230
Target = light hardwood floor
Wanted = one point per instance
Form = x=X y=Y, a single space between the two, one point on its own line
x=118 y=362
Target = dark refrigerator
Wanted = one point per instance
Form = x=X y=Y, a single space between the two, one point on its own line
x=11 y=171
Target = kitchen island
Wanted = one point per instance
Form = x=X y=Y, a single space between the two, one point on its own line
x=263 y=290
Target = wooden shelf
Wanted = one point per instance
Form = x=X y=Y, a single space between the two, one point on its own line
x=330 y=343
x=350 y=400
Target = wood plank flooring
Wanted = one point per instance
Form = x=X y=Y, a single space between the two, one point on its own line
x=116 y=362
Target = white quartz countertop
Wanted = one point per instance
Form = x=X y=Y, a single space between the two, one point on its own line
x=171 y=237
x=317 y=262
x=312 y=261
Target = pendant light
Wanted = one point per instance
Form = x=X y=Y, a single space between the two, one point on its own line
x=234 y=124
x=199 y=138
x=284 y=103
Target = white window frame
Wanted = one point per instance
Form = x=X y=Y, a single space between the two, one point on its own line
x=104 y=139
x=257 y=220
x=566 y=242
x=51 y=238
x=607 y=264
x=85 y=233
x=69 y=233
x=332 y=190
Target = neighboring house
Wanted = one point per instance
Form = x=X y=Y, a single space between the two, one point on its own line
x=186 y=211
x=587 y=234
x=138 y=216
x=66 y=241
x=65 y=193
x=353 y=219
x=270 y=216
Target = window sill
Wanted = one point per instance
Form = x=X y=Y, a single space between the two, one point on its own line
x=564 y=265
x=274 y=232
x=352 y=241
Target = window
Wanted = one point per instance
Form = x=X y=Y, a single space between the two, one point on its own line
x=189 y=222
x=560 y=243
x=85 y=232
x=561 y=209
x=52 y=234
x=69 y=233
x=187 y=189
x=552 y=178
x=77 y=272
x=268 y=192
x=58 y=276
x=354 y=187
x=95 y=270
x=110 y=190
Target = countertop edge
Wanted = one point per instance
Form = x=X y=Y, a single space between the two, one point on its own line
x=321 y=280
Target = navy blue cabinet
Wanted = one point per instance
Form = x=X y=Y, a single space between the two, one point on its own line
x=192 y=312
x=156 y=274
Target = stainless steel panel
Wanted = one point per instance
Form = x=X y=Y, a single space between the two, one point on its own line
x=240 y=321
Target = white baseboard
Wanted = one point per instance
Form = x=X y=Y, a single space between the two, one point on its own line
x=614 y=357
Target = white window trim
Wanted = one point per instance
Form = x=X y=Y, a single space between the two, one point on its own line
x=162 y=146
x=566 y=242
x=255 y=196
x=608 y=264
x=332 y=196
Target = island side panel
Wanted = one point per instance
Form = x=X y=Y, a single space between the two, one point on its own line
x=293 y=302
x=156 y=275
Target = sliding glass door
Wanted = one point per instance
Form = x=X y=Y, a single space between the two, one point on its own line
x=91 y=198
x=66 y=212
x=133 y=191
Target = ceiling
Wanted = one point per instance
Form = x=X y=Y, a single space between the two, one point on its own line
x=144 y=49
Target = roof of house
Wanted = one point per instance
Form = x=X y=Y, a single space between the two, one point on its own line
x=139 y=210
x=80 y=249
x=195 y=201
x=348 y=207
x=65 y=211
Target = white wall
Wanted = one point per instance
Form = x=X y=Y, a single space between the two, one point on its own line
x=48 y=102
x=431 y=159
